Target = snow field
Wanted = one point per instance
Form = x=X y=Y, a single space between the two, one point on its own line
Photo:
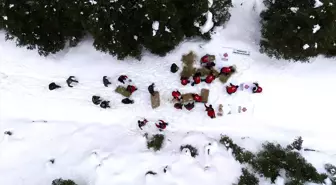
x=297 y=101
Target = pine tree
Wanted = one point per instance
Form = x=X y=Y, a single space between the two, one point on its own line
x=39 y=24
x=169 y=33
x=220 y=11
x=297 y=30
x=247 y=178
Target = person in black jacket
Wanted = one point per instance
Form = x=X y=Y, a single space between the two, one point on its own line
x=71 y=80
x=106 y=82
x=53 y=86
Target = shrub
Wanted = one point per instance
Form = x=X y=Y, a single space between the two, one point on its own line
x=193 y=151
x=274 y=158
x=62 y=182
x=47 y=26
x=287 y=29
x=247 y=178
x=155 y=142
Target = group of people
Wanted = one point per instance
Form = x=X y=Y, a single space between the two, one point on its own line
x=177 y=96
x=71 y=81
x=160 y=124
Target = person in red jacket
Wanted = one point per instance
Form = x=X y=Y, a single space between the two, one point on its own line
x=205 y=61
x=122 y=78
x=227 y=70
x=209 y=78
x=161 y=125
x=197 y=98
x=184 y=80
x=142 y=123
x=196 y=78
x=231 y=88
x=190 y=106
x=131 y=88
x=176 y=95
x=256 y=88
x=210 y=111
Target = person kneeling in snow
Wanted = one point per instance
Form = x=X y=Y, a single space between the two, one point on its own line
x=53 y=86
x=122 y=79
x=96 y=100
x=209 y=78
x=256 y=88
x=105 y=104
x=205 y=61
x=131 y=88
x=106 y=82
x=190 y=105
x=142 y=123
x=176 y=95
x=210 y=111
x=127 y=101
x=184 y=80
x=71 y=80
x=197 y=97
x=227 y=70
x=231 y=89
x=161 y=125
x=196 y=78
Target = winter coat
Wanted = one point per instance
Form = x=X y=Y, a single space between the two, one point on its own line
x=131 y=88
x=122 y=78
x=53 y=86
x=176 y=95
x=184 y=81
x=197 y=98
x=231 y=89
x=210 y=78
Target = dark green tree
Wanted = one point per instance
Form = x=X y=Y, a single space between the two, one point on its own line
x=62 y=182
x=297 y=30
x=220 y=11
x=47 y=26
x=247 y=178
x=169 y=33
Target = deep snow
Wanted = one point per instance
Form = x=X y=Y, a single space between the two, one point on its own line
x=297 y=100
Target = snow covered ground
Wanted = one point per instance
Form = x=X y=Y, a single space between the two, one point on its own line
x=99 y=147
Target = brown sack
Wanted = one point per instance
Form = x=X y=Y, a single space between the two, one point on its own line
x=205 y=95
x=155 y=100
x=186 y=98
x=123 y=91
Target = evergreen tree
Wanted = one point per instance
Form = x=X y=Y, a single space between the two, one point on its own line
x=297 y=30
x=220 y=11
x=62 y=182
x=44 y=25
x=169 y=33
x=247 y=178
x=155 y=142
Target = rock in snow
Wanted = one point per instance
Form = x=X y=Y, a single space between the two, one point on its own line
x=316 y=28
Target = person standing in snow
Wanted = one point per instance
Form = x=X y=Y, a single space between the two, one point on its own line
x=53 y=86
x=71 y=80
x=184 y=80
x=106 y=82
x=231 y=88
x=105 y=104
x=142 y=123
x=256 y=88
x=227 y=70
x=196 y=78
x=176 y=95
x=127 y=101
x=209 y=79
x=161 y=125
x=210 y=111
x=122 y=79
x=96 y=100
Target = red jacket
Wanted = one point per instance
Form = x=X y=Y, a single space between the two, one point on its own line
x=197 y=79
x=231 y=89
x=226 y=70
x=210 y=78
x=161 y=124
x=257 y=89
x=205 y=59
x=197 y=98
x=176 y=94
x=210 y=111
x=184 y=81
x=131 y=88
